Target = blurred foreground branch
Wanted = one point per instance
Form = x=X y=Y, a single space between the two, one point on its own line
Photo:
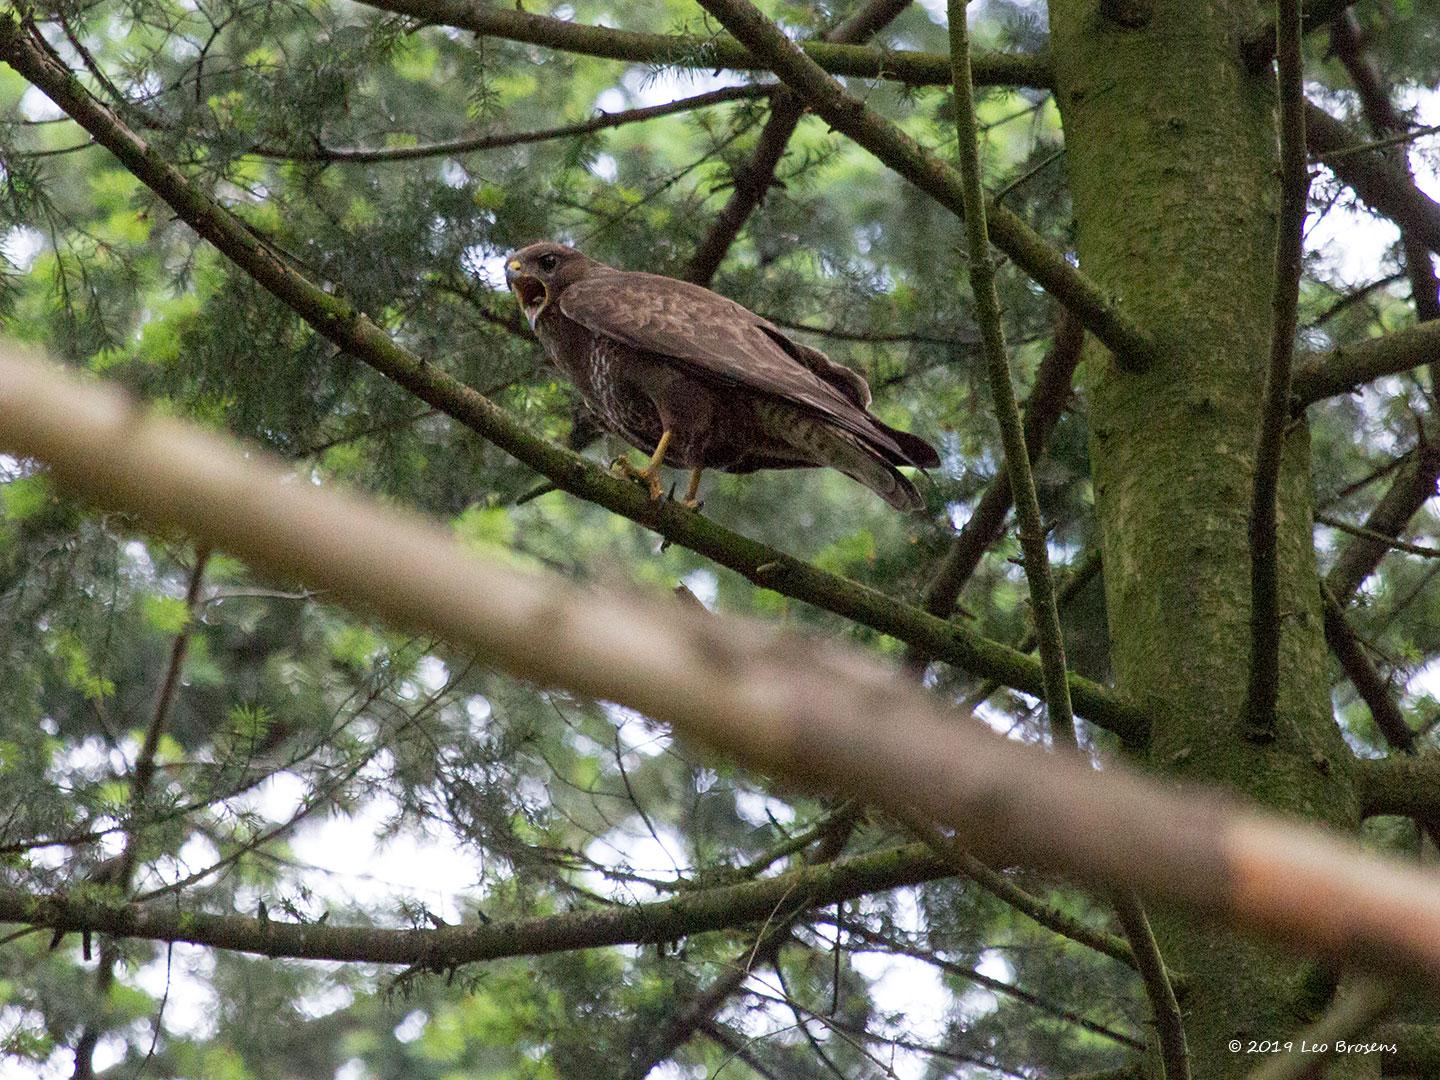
x=802 y=709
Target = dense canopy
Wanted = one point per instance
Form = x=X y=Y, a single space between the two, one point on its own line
x=244 y=747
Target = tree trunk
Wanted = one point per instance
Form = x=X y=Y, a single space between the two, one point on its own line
x=1172 y=153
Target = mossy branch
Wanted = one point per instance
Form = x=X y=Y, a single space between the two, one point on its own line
x=710 y=51
x=1402 y=785
x=694 y=912
x=1174 y=1054
x=1043 y=608
x=1275 y=411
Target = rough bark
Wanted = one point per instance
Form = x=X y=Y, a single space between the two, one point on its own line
x=1172 y=155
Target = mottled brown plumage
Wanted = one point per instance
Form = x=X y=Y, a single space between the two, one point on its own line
x=698 y=381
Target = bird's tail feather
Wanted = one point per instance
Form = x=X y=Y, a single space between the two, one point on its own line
x=838 y=449
x=917 y=451
x=864 y=465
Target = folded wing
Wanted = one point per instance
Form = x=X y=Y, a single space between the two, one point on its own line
x=721 y=341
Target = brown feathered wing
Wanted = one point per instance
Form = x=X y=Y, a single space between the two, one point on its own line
x=721 y=341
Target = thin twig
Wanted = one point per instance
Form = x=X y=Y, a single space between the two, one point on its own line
x=1379 y=537
x=1005 y=890
x=1382 y=144
x=364 y=155
x=1048 y=397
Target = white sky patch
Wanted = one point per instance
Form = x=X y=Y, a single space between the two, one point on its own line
x=325 y=1001
x=908 y=987
x=705 y=585
x=638 y=735
x=58 y=1066
x=487 y=266
x=610 y=101
x=752 y=806
x=20 y=245
x=479 y=712
x=360 y=869
x=454 y=175
x=34 y=105
x=658 y=856
x=432 y=674
x=660 y=88
x=109 y=1052
x=1352 y=241
x=191 y=1010
x=412 y=1027
x=1425 y=681
x=605 y=167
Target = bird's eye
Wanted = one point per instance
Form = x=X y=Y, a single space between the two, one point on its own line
x=547 y=262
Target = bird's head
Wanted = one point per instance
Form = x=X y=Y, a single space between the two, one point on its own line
x=538 y=273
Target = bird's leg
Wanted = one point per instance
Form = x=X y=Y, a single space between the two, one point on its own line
x=651 y=472
x=693 y=490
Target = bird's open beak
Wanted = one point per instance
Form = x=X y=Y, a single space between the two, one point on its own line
x=530 y=291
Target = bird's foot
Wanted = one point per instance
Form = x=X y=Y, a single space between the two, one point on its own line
x=690 y=502
x=650 y=477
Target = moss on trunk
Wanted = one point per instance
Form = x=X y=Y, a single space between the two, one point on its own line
x=1171 y=148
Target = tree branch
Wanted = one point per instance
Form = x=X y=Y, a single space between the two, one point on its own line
x=1083 y=571
x=800 y=708
x=1264 y=681
x=1413 y=486
x=1373 y=689
x=1346 y=367
x=1159 y=990
x=1390 y=542
x=996 y=986
x=354 y=333
x=1033 y=907
x=1174 y=1054
x=1378 y=180
x=1132 y=346
x=753 y=179
x=1402 y=785
x=1354 y=1010
x=1002 y=391
x=709 y=52
x=721 y=908
x=1347 y=42
x=452 y=147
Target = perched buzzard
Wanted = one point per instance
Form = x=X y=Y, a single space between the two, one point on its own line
x=696 y=380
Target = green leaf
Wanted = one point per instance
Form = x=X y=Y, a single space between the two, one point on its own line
x=165 y=614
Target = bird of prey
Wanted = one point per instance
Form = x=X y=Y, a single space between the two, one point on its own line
x=697 y=381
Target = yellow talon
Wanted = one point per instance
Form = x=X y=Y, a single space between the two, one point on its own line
x=691 y=502
x=650 y=474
